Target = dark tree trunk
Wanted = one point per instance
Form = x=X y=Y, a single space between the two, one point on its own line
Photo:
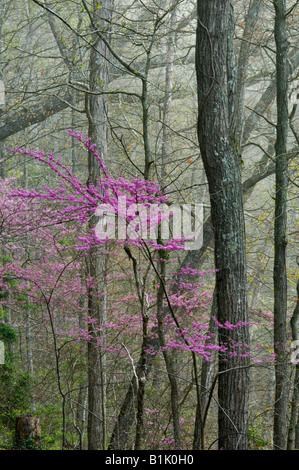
x=208 y=373
x=222 y=166
x=293 y=426
x=28 y=433
x=127 y=414
x=280 y=225
x=141 y=384
x=169 y=363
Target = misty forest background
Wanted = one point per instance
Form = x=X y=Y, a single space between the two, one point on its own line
x=117 y=347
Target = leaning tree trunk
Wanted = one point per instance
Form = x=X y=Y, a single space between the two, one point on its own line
x=222 y=168
x=280 y=274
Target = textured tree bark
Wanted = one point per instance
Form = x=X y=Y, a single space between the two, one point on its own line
x=141 y=382
x=125 y=419
x=292 y=431
x=265 y=101
x=97 y=111
x=222 y=166
x=96 y=357
x=280 y=227
x=28 y=432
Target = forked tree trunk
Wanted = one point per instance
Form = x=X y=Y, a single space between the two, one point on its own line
x=222 y=168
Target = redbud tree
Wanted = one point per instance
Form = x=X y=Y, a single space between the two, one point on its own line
x=47 y=235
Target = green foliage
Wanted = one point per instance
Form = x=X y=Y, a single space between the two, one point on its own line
x=14 y=400
x=66 y=241
x=238 y=153
x=7 y=333
x=14 y=394
x=255 y=439
x=52 y=425
x=29 y=443
x=14 y=384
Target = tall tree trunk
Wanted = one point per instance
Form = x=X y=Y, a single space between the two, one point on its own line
x=222 y=166
x=279 y=274
x=292 y=431
x=97 y=109
x=141 y=376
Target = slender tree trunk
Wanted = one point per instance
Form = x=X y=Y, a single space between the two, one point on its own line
x=294 y=404
x=169 y=51
x=174 y=389
x=166 y=150
x=261 y=265
x=81 y=405
x=243 y=60
x=141 y=381
x=264 y=102
x=2 y=101
x=96 y=357
x=222 y=167
x=127 y=415
x=81 y=414
x=280 y=242
x=206 y=384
